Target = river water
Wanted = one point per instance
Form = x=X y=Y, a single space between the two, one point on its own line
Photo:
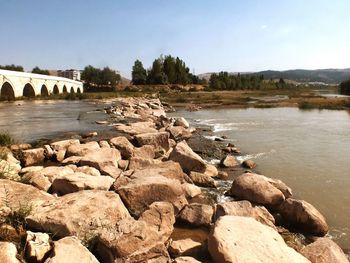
x=308 y=150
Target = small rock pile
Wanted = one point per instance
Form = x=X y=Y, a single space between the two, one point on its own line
x=137 y=197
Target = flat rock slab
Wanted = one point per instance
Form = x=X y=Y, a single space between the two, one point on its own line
x=79 y=213
x=15 y=195
x=79 y=181
x=82 y=149
x=101 y=158
x=240 y=239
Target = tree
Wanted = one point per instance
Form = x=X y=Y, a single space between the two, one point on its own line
x=13 y=68
x=139 y=74
x=156 y=74
x=345 y=87
x=101 y=80
x=169 y=66
x=37 y=70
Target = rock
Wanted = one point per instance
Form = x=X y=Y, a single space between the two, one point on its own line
x=202 y=179
x=241 y=239
x=37 y=246
x=184 y=247
x=197 y=214
x=222 y=175
x=139 y=163
x=211 y=170
x=79 y=181
x=8 y=252
x=63 y=145
x=186 y=260
x=123 y=164
x=79 y=213
x=324 y=250
x=31 y=169
x=181 y=122
x=228 y=162
x=69 y=249
x=141 y=191
x=9 y=170
x=88 y=170
x=104 y=144
x=160 y=140
x=49 y=153
x=160 y=216
x=250 y=164
x=179 y=133
x=101 y=159
x=131 y=241
x=82 y=149
x=191 y=190
x=188 y=159
x=43 y=179
x=304 y=216
x=146 y=151
x=33 y=156
x=20 y=147
x=72 y=160
x=123 y=145
x=257 y=189
x=246 y=209
x=287 y=192
x=17 y=195
x=137 y=128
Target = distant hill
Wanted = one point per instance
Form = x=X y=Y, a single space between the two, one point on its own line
x=329 y=76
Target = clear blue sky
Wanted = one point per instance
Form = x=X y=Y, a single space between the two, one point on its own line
x=209 y=35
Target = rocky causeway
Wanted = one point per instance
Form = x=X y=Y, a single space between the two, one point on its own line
x=144 y=193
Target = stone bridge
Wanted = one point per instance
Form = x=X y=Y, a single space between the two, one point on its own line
x=15 y=84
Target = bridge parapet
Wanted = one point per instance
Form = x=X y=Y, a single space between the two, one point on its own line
x=15 y=84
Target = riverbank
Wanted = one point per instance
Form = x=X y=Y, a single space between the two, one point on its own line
x=161 y=187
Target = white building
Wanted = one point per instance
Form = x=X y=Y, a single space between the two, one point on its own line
x=73 y=74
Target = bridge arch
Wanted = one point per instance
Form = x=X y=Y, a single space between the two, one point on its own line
x=28 y=91
x=78 y=90
x=44 y=91
x=72 y=90
x=65 y=89
x=7 y=92
x=55 y=90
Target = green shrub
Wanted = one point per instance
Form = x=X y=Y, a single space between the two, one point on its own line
x=6 y=139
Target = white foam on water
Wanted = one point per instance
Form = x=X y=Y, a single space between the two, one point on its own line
x=243 y=158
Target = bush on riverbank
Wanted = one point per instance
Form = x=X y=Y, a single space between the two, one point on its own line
x=6 y=139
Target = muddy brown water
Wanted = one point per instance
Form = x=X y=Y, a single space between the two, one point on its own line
x=308 y=150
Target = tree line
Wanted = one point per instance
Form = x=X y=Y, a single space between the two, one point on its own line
x=345 y=87
x=97 y=79
x=35 y=70
x=164 y=70
x=226 y=81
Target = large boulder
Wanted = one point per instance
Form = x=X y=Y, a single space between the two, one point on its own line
x=63 y=145
x=257 y=189
x=304 y=216
x=246 y=209
x=69 y=249
x=122 y=144
x=43 y=178
x=79 y=213
x=79 y=181
x=180 y=121
x=324 y=250
x=185 y=247
x=88 y=170
x=17 y=195
x=33 y=156
x=82 y=149
x=197 y=214
x=101 y=159
x=8 y=252
x=188 y=159
x=141 y=191
x=160 y=216
x=159 y=140
x=179 y=133
x=241 y=239
x=139 y=163
x=131 y=241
